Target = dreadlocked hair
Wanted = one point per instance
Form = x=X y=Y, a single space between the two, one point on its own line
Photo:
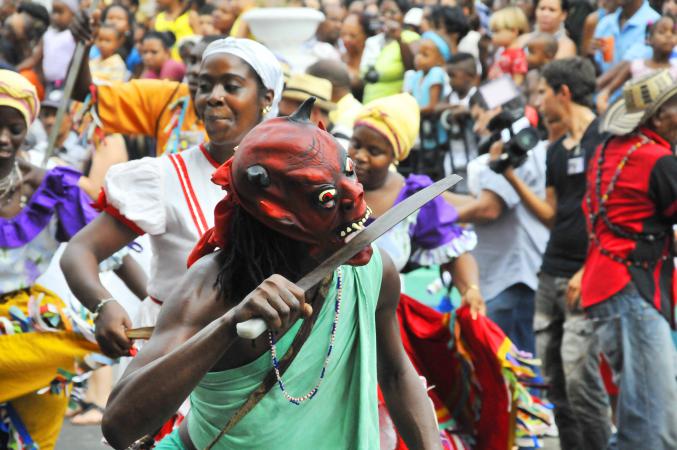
x=254 y=253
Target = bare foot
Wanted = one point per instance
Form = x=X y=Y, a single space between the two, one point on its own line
x=92 y=416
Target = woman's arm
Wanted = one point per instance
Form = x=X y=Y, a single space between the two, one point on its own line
x=134 y=277
x=435 y=96
x=97 y=241
x=565 y=48
x=466 y=277
x=408 y=404
x=112 y=150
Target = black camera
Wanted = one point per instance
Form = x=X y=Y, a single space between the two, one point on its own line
x=371 y=76
x=510 y=125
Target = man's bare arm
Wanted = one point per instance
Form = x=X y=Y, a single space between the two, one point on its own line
x=405 y=396
x=193 y=333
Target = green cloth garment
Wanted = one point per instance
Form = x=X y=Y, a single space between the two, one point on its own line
x=343 y=413
x=390 y=67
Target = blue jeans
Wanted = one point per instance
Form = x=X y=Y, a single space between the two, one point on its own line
x=636 y=341
x=513 y=312
x=566 y=344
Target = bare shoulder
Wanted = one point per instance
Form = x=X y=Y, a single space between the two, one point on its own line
x=196 y=300
x=390 y=283
x=192 y=306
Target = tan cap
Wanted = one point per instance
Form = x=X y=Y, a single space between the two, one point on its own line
x=301 y=86
x=640 y=100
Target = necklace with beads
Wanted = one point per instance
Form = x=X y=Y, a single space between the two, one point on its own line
x=602 y=212
x=10 y=184
x=273 y=351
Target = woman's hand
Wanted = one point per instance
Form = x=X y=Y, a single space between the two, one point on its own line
x=110 y=327
x=277 y=301
x=473 y=298
x=602 y=101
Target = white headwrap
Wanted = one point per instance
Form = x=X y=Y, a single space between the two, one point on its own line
x=73 y=5
x=262 y=60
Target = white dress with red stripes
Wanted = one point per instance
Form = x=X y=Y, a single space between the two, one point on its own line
x=172 y=199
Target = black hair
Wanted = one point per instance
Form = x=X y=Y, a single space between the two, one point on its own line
x=128 y=43
x=167 y=38
x=651 y=26
x=577 y=73
x=370 y=23
x=332 y=70
x=465 y=62
x=254 y=253
x=40 y=17
x=451 y=19
x=206 y=10
x=564 y=4
x=109 y=26
x=403 y=5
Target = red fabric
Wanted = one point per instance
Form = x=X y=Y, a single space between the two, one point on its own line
x=101 y=204
x=607 y=376
x=426 y=336
x=512 y=61
x=217 y=236
x=629 y=206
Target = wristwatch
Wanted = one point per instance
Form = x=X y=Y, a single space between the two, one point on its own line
x=100 y=306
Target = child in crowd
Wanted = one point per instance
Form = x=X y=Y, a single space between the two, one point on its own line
x=427 y=84
x=541 y=49
x=662 y=38
x=464 y=78
x=58 y=44
x=206 y=20
x=109 y=65
x=507 y=25
x=224 y=16
x=157 y=61
x=122 y=19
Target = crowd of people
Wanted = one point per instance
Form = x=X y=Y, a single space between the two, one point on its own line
x=549 y=269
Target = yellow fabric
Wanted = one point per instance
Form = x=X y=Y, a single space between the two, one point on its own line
x=43 y=416
x=18 y=93
x=29 y=361
x=108 y=70
x=180 y=27
x=143 y=107
x=397 y=118
x=346 y=111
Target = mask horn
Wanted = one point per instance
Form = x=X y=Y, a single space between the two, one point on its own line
x=302 y=115
x=258 y=175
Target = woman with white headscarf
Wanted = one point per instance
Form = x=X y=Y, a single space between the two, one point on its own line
x=172 y=198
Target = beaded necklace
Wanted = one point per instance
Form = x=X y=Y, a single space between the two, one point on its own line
x=276 y=365
x=603 y=213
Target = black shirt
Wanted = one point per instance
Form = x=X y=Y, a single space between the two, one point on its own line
x=565 y=171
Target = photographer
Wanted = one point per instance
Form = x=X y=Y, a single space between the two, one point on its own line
x=387 y=55
x=563 y=336
x=511 y=241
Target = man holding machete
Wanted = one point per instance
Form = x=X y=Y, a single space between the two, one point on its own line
x=292 y=199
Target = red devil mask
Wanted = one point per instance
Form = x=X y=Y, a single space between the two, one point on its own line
x=293 y=177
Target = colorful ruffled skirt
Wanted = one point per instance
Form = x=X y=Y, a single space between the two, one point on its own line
x=39 y=342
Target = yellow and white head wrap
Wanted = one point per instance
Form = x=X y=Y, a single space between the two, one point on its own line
x=397 y=118
x=18 y=93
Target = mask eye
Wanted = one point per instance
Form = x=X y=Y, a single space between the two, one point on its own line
x=327 y=198
x=350 y=167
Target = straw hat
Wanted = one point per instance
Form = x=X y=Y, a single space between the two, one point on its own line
x=302 y=86
x=640 y=100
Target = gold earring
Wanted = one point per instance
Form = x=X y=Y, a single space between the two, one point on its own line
x=266 y=110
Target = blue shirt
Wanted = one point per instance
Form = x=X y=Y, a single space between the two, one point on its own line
x=418 y=85
x=632 y=33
